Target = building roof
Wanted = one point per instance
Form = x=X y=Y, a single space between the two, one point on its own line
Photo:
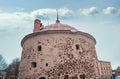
x=118 y=67
x=104 y=61
x=58 y=26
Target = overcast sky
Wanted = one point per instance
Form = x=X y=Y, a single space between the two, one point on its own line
x=100 y=18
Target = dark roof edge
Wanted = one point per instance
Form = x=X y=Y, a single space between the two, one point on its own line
x=104 y=61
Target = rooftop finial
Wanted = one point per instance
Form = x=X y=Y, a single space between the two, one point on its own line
x=57 y=21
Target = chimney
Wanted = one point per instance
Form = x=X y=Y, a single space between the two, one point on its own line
x=37 y=25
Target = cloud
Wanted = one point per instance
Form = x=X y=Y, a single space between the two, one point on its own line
x=13 y=20
x=111 y=11
x=44 y=13
x=25 y=19
x=89 y=11
x=95 y=11
x=66 y=13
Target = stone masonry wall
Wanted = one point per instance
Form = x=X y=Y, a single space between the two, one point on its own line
x=59 y=58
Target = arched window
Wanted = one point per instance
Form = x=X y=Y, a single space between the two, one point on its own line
x=42 y=78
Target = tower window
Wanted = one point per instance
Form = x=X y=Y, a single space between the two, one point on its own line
x=34 y=64
x=66 y=76
x=42 y=78
x=77 y=46
x=82 y=76
x=46 y=64
x=39 y=48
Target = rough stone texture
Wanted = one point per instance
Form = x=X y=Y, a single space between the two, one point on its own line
x=59 y=58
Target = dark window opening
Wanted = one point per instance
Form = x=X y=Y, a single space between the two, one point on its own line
x=77 y=46
x=39 y=48
x=46 y=64
x=66 y=76
x=39 y=42
x=82 y=76
x=42 y=78
x=34 y=64
x=118 y=71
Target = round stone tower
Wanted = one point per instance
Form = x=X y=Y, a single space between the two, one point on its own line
x=58 y=51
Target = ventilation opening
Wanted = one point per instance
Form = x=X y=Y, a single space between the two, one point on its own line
x=39 y=48
x=42 y=78
x=34 y=64
x=77 y=46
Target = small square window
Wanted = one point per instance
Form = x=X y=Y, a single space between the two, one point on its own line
x=34 y=64
x=77 y=46
x=39 y=48
x=46 y=64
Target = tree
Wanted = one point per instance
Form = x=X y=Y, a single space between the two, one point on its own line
x=12 y=69
x=3 y=64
